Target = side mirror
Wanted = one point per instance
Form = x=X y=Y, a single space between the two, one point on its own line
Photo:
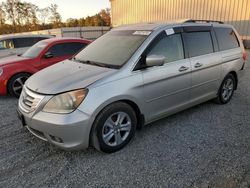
x=48 y=55
x=155 y=60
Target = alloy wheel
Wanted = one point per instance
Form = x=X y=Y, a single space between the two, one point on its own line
x=227 y=89
x=18 y=84
x=116 y=129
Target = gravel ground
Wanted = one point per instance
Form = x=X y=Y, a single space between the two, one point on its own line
x=205 y=146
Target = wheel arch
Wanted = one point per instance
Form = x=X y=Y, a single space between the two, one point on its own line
x=236 y=78
x=140 y=118
x=20 y=72
x=130 y=102
x=139 y=115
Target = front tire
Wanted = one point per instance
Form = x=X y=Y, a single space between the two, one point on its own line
x=226 y=90
x=16 y=83
x=114 y=127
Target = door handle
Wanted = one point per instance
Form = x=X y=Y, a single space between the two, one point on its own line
x=183 y=68
x=197 y=65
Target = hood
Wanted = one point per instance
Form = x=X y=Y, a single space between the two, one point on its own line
x=65 y=76
x=12 y=59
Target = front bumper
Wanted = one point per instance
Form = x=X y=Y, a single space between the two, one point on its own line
x=242 y=71
x=67 y=131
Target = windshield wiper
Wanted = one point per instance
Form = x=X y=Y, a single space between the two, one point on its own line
x=87 y=62
x=93 y=63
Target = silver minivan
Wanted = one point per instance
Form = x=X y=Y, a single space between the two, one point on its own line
x=128 y=78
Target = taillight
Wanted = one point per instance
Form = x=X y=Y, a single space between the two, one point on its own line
x=244 y=56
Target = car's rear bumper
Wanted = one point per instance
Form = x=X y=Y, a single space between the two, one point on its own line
x=241 y=72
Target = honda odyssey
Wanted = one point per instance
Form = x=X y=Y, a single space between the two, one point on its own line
x=130 y=77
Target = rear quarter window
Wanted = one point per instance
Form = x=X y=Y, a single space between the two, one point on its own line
x=227 y=39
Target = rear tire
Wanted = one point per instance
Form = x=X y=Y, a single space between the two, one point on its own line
x=226 y=90
x=16 y=83
x=114 y=127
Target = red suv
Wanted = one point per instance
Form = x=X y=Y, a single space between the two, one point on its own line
x=15 y=70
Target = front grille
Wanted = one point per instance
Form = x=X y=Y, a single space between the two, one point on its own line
x=29 y=100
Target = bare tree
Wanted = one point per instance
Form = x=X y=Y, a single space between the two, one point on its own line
x=43 y=15
x=9 y=8
x=26 y=13
x=30 y=13
x=55 y=17
x=2 y=15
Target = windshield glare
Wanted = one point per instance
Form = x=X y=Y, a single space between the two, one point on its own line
x=35 y=50
x=114 y=48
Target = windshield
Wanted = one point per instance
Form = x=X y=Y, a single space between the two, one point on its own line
x=113 y=49
x=35 y=50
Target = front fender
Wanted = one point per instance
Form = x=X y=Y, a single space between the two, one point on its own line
x=13 y=69
x=116 y=99
x=129 y=89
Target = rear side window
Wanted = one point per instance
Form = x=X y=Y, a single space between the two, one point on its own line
x=57 y=50
x=23 y=42
x=199 y=43
x=226 y=38
x=73 y=48
x=66 y=49
x=37 y=39
x=169 y=46
x=27 y=41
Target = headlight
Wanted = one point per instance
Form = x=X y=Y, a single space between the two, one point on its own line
x=1 y=71
x=66 y=102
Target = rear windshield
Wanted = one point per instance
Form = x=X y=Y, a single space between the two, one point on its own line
x=226 y=38
x=35 y=50
x=114 y=48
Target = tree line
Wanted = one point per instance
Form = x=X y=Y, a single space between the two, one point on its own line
x=19 y=16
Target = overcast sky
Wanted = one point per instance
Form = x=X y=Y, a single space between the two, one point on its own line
x=73 y=8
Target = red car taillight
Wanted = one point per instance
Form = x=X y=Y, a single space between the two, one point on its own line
x=244 y=56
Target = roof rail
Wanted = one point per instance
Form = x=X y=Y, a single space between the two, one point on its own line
x=206 y=21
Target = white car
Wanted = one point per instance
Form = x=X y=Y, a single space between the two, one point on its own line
x=18 y=44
